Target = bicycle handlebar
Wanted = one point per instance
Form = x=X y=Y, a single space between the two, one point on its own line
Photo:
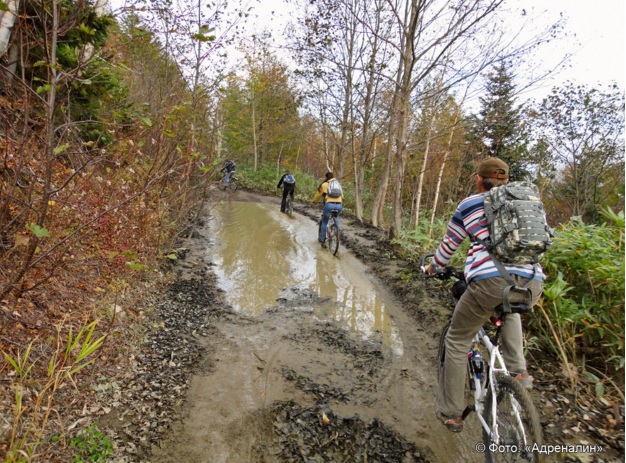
x=446 y=273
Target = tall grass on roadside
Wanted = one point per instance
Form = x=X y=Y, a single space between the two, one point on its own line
x=425 y=238
x=581 y=316
x=34 y=398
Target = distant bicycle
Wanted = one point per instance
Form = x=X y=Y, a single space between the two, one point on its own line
x=289 y=206
x=233 y=184
x=332 y=232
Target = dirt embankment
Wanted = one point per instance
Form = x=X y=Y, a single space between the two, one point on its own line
x=212 y=385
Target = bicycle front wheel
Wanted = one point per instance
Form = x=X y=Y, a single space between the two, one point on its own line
x=333 y=238
x=518 y=423
x=441 y=353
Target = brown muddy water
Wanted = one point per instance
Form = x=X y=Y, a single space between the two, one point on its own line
x=258 y=252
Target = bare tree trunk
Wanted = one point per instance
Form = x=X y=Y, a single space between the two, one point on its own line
x=326 y=148
x=420 y=178
x=434 y=113
x=361 y=163
x=378 y=207
x=7 y=20
x=457 y=116
x=256 y=154
x=442 y=169
x=407 y=60
x=279 y=157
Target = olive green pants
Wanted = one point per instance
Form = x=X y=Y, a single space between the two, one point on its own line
x=471 y=312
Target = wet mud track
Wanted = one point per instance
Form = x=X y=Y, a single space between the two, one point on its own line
x=305 y=378
x=308 y=377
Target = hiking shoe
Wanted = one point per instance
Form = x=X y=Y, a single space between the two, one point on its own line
x=525 y=379
x=453 y=424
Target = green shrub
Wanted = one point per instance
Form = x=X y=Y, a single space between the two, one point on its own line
x=582 y=316
x=424 y=239
x=92 y=445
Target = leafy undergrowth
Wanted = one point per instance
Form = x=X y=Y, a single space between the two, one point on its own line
x=66 y=320
x=57 y=343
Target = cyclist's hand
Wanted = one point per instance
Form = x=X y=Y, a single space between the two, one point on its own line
x=429 y=270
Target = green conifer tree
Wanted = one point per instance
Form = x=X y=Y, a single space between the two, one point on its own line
x=500 y=122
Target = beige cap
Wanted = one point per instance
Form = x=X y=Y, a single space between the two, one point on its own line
x=493 y=168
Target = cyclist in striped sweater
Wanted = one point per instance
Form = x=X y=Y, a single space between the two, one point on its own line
x=484 y=292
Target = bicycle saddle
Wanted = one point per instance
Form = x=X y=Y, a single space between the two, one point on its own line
x=516 y=307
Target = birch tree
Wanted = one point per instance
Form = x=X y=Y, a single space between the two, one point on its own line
x=430 y=31
x=467 y=35
x=582 y=130
x=8 y=53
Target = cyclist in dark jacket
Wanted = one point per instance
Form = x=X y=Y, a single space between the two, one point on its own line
x=228 y=170
x=288 y=182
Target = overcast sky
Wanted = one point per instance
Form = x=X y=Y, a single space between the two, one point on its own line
x=596 y=37
x=597 y=40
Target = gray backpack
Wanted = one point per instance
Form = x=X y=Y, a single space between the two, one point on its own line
x=518 y=231
x=334 y=189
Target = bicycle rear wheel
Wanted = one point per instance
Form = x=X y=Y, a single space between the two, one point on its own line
x=289 y=207
x=333 y=238
x=519 y=428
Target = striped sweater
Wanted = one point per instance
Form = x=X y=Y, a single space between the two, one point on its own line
x=469 y=219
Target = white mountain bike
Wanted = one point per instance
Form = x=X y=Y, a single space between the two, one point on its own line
x=511 y=428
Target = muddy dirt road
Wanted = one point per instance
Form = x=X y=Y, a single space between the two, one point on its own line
x=310 y=336
x=273 y=350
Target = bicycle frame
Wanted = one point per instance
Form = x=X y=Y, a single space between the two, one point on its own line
x=489 y=383
x=333 y=223
x=334 y=216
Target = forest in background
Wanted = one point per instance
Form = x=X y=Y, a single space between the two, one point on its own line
x=113 y=128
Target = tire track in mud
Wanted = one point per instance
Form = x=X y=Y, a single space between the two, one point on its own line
x=288 y=373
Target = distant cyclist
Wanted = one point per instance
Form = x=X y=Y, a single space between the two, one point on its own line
x=288 y=182
x=331 y=191
x=228 y=170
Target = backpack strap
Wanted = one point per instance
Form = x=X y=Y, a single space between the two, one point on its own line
x=506 y=303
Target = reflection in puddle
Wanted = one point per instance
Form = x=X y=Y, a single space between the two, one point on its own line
x=259 y=252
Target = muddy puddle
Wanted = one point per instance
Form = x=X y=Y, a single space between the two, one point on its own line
x=260 y=255
x=308 y=357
